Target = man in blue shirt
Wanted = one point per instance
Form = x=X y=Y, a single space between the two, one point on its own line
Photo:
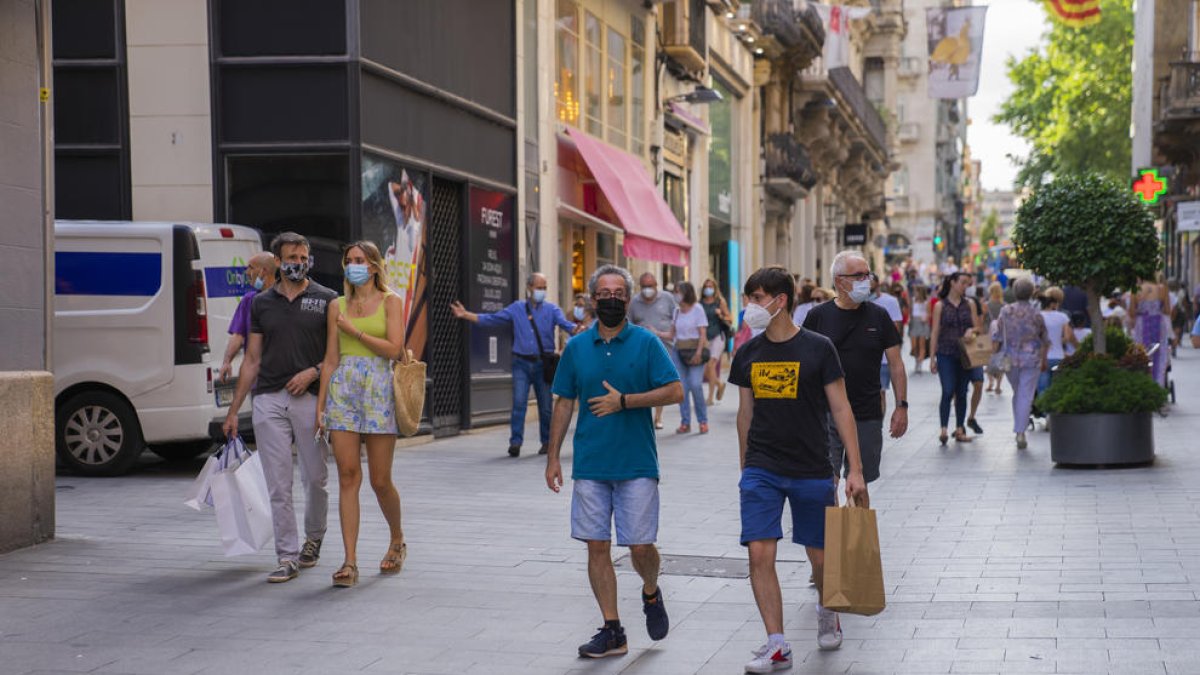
x=530 y=352
x=622 y=371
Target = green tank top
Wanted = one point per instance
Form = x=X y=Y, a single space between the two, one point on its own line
x=374 y=325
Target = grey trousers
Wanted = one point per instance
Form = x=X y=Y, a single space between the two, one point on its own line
x=281 y=420
x=1024 y=383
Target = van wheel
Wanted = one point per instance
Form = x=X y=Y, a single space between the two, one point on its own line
x=181 y=452
x=97 y=434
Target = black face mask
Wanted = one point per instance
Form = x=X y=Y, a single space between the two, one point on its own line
x=610 y=311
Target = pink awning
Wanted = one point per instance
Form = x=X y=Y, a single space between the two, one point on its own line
x=651 y=229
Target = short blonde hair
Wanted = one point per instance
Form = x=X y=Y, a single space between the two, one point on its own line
x=1054 y=293
x=996 y=291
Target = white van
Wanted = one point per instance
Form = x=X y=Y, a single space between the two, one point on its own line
x=138 y=337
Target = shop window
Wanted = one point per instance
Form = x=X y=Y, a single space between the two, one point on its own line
x=900 y=182
x=593 y=75
x=721 y=156
x=675 y=194
x=566 y=45
x=616 y=88
x=637 y=85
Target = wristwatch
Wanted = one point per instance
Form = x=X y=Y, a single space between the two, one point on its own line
x=623 y=402
x=901 y=403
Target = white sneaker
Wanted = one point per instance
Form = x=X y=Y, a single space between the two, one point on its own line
x=768 y=660
x=1021 y=442
x=829 y=629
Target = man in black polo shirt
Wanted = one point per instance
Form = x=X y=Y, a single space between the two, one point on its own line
x=863 y=333
x=283 y=360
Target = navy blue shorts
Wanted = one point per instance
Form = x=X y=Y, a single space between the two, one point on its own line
x=762 y=497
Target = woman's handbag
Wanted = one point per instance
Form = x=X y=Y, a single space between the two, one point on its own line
x=976 y=351
x=408 y=384
x=1000 y=362
x=687 y=351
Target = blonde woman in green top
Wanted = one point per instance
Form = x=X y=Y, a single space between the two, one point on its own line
x=356 y=403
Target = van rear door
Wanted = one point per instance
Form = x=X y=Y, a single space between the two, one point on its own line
x=224 y=252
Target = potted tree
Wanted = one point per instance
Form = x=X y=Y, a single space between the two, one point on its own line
x=1091 y=232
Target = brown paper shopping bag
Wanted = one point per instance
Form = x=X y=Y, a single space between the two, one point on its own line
x=853 y=580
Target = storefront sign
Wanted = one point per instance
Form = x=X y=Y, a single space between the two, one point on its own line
x=854 y=234
x=490 y=256
x=1187 y=216
x=675 y=146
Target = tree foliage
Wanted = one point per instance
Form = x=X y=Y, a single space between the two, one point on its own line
x=1088 y=231
x=990 y=224
x=1073 y=98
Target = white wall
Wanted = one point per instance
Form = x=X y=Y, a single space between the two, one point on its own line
x=170 y=130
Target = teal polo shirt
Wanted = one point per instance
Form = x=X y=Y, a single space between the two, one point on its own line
x=620 y=446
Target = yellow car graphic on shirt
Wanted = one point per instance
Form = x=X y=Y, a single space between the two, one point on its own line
x=775 y=379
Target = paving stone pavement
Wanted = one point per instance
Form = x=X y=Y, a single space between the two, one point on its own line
x=995 y=562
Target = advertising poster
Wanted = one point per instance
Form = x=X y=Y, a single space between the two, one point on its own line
x=955 y=47
x=394 y=217
x=490 y=254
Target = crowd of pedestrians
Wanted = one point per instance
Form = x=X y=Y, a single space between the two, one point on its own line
x=813 y=367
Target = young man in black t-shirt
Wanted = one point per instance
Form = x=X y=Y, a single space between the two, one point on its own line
x=790 y=380
x=863 y=333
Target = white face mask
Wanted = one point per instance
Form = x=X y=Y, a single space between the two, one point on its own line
x=648 y=292
x=757 y=317
x=860 y=291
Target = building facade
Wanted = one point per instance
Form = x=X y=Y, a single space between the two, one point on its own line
x=1166 y=114
x=925 y=192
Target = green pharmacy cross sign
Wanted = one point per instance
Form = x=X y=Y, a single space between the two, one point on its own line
x=1149 y=186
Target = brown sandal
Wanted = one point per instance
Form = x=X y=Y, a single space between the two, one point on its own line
x=394 y=560
x=346 y=576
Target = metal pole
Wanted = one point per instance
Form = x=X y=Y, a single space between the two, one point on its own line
x=46 y=133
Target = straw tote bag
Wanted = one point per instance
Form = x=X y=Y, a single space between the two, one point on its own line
x=408 y=383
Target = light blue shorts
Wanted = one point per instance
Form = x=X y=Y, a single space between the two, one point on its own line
x=632 y=504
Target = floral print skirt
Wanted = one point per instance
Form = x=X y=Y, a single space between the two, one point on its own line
x=360 y=396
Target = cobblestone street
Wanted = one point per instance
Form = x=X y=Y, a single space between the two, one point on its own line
x=995 y=562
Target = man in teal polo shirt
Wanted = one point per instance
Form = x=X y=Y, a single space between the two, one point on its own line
x=622 y=371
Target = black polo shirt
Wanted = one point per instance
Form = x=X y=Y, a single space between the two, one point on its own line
x=294 y=334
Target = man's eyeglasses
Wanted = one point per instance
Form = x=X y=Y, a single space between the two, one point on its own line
x=606 y=294
x=857 y=277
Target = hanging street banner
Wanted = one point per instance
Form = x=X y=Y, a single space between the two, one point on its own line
x=1074 y=13
x=955 y=48
x=837 y=18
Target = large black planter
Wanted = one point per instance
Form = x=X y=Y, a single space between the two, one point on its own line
x=1102 y=438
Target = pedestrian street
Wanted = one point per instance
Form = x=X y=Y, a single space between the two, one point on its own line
x=994 y=561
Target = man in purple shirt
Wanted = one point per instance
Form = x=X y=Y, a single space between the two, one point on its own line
x=260 y=275
x=529 y=348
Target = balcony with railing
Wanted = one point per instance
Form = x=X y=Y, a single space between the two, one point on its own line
x=1180 y=97
x=847 y=85
x=781 y=26
x=790 y=171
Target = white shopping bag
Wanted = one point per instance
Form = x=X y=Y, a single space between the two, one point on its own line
x=198 y=494
x=230 y=456
x=243 y=507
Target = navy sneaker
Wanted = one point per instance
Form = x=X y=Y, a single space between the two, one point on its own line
x=608 y=642
x=657 y=623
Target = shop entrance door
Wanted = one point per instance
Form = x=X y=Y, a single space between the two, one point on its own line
x=446 y=351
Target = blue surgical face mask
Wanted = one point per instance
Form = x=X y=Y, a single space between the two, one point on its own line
x=358 y=274
x=579 y=313
x=539 y=295
x=258 y=283
x=709 y=291
x=861 y=291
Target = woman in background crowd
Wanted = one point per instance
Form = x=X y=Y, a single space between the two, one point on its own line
x=1019 y=334
x=995 y=303
x=716 y=311
x=918 y=330
x=1148 y=311
x=1058 y=328
x=691 y=325
x=954 y=318
x=804 y=302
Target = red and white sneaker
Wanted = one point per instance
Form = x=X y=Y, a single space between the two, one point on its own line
x=829 y=629
x=768 y=659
